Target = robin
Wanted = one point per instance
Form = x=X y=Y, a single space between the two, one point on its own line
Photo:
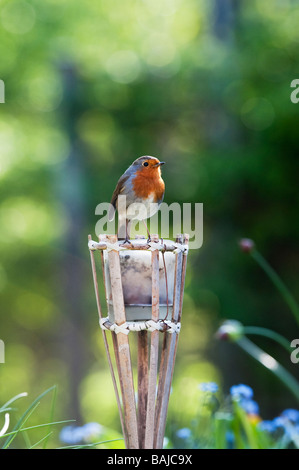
x=143 y=189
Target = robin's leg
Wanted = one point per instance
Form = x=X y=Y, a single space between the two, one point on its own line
x=127 y=239
x=149 y=235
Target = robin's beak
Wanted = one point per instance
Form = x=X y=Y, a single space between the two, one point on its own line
x=158 y=164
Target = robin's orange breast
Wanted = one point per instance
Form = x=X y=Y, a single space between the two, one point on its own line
x=149 y=185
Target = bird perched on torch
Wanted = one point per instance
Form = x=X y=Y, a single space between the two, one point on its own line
x=142 y=188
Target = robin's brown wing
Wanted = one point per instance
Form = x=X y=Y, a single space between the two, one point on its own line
x=118 y=190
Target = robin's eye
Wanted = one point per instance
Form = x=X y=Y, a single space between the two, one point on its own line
x=145 y=164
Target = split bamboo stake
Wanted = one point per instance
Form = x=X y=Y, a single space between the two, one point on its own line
x=142 y=368
x=142 y=365
x=98 y=302
x=154 y=352
x=168 y=356
x=122 y=341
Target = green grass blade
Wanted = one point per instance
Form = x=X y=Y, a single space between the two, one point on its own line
x=25 y=414
x=277 y=281
x=9 y=440
x=51 y=419
x=271 y=364
x=261 y=331
x=4 y=407
x=38 y=426
x=82 y=446
x=41 y=440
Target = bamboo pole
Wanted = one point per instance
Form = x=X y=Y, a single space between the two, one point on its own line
x=184 y=268
x=102 y=238
x=142 y=368
x=122 y=342
x=142 y=365
x=154 y=352
x=168 y=357
x=98 y=302
x=173 y=345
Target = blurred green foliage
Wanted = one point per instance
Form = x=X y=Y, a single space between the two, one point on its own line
x=89 y=87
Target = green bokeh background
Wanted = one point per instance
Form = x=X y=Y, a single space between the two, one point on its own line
x=89 y=87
